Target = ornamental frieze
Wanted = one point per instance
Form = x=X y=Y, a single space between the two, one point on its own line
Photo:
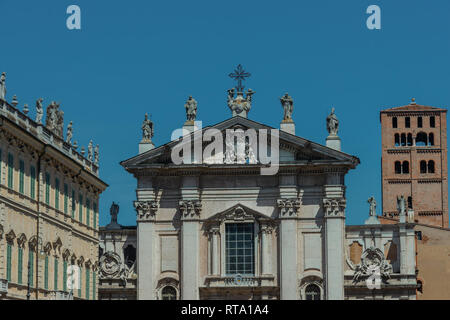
x=288 y=207
x=146 y=209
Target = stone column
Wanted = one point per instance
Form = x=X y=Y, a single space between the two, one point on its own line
x=288 y=239
x=146 y=258
x=215 y=250
x=266 y=249
x=334 y=216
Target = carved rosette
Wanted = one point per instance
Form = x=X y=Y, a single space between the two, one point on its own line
x=334 y=207
x=146 y=209
x=288 y=207
x=110 y=265
x=190 y=208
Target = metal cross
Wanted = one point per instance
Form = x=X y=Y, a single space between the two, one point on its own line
x=239 y=75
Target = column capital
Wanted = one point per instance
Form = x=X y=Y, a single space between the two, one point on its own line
x=288 y=207
x=190 y=209
x=334 y=207
x=146 y=210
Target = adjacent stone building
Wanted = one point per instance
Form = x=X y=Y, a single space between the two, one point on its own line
x=414 y=162
x=117 y=257
x=49 y=200
x=212 y=225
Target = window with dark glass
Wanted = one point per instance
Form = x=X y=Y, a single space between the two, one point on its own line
x=432 y=122
x=419 y=122
x=312 y=292
x=397 y=139
x=398 y=167
x=431 y=166
x=423 y=166
x=421 y=139
x=431 y=139
x=239 y=246
x=394 y=122
x=407 y=122
x=169 y=293
x=410 y=203
x=409 y=140
x=403 y=137
x=130 y=255
x=405 y=167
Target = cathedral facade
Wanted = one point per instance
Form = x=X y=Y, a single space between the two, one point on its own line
x=215 y=225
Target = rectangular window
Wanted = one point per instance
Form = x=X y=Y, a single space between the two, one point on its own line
x=47 y=188
x=239 y=248
x=32 y=182
x=419 y=122
x=407 y=122
x=88 y=212
x=94 y=279
x=55 y=275
x=46 y=273
x=20 y=266
x=31 y=271
x=80 y=208
x=21 y=176
x=65 y=276
x=57 y=193
x=88 y=275
x=8 y=262
x=73 y=204
x=79 y=281
x=66 y=197
x=94 y=209
x=432 y=122
x=10 y=171
x=394 y=122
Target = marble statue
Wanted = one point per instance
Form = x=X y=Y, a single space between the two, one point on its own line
x=240 y=105
x=3 y=86
x=96 y=154
x=147 y=129
x=55 y=119
x=288 y=106
x=401 y=205
x=69 y=133
x=59 y=122
x=191 y=109
x=39 y=110
x=332 y=123
x=114 y=211
x=373 y=206
x=90 y=149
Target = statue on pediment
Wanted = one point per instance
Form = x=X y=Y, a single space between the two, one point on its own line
x=332 y=123
x=147 y=129
x=3 y=86
x=240 y=106
x=288 y=106
x=191 y=109
x=39 y=111
x=55 y=119
x=69 y=133
x=373 y=205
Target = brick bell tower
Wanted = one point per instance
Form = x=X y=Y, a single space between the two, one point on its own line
x=414 y=162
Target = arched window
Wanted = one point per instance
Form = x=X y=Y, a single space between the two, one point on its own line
x=419 y=122
x=129 y=254
x=398 y=167
x=397 y=139
x=405 y=167
x=432 y=122
x=312 y=292
x=403 y=136
x=409 y=140
x=410 y=202
x=431 y=139
x=407 y=122
x=169 y=293
x=431 y=166
x=421 y=139
x=423 y=166
x=394 y=122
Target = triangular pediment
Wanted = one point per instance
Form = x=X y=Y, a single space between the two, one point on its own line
x=238 y=213
x=292 y=149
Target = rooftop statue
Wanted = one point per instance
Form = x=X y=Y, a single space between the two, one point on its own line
x=191 y=109
x=90 y=150
x=39 y=111
x=69 y=133
x=240 y=106
x=147 y=129
x=373 y=206
x=55 y=119
x=288 y=106
x=96 y=154
x=3 y=86
x=332 y=123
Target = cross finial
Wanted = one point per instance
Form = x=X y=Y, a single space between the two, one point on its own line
x=239 y=75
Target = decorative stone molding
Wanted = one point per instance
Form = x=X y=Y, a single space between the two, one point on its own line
x=146 y=209
x=267 y=228
x=190 y=208
x=111 y=267
x=334 y=207
x=21 y=240
x=10 y=236
x=372 y=262
x=288 y=207
x=33 y=243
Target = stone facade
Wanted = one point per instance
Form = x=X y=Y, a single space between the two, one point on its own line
x=49 y=195
x=117 y=262
x=224 y=231
x=414 y=162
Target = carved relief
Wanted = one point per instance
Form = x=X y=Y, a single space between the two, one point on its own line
x=190 y=208
x=288 y=207
x=372 y=262
x=146 y=209
x=334 y=207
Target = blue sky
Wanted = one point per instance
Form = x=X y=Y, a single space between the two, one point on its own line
x=132 y=57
